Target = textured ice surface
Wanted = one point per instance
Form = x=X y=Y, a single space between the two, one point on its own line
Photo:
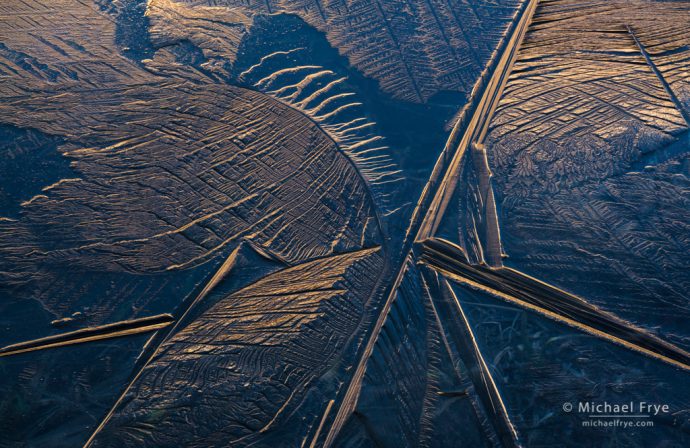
x=367 y=223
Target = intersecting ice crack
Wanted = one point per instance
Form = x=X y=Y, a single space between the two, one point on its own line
x=314 y=91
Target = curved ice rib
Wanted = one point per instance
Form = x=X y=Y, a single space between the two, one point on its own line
x=320 y=94
x=266 y=58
